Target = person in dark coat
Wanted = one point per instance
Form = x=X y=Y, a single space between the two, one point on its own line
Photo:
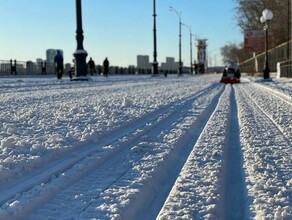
x=59 y=64
x=91 y=66
x=105 y=67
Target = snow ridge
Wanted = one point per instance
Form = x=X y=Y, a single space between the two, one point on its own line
x=266 y=161
x=138 y=147
x=197 y=191
x=234 y=196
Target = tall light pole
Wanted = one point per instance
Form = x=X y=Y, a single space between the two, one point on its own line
x=191 y=46
x=267 y=16
x=288 y=29
x=180 y=23
x=80 y=54
x=155 y=63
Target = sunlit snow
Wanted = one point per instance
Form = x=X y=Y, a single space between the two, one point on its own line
x=141 y=147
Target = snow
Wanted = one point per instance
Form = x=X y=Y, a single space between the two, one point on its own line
x=140 y=147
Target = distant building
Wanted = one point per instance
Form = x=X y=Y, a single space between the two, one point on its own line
x=131 y=69
x=143 y=64
x=67 y=67
x=50 y=55
x=39 y=65
x=170 y=66
x=30 y=67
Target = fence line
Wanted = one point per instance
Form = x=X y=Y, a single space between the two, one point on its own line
x=277 y=54
x=284 y=69
x=14 y=67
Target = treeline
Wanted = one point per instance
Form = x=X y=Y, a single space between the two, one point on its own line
x=248 y=14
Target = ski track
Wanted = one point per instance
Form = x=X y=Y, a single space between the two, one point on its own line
x=45 y=191
x=98 y=199
x=267 y=162
x=278 y=110
x=272 y=88
x=115 y=126
x=222 y=193
x=199 y=158
x=234 y=178
x=133 y=170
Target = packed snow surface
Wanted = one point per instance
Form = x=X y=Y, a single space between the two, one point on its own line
x=141 y=147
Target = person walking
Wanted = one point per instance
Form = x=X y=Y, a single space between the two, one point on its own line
x=91 y=66
x=59 y=64
x=105 y=67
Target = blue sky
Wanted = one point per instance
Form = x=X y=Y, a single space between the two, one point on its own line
x=117 y=29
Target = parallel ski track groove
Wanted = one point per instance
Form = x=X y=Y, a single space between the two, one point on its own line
x=194 y=197
x=269 y=120
x=277 y=94
x=168 y=119
x=137 y=125
x=165 y=185
x=279 y=127
x=234 y=182
x=57 y=167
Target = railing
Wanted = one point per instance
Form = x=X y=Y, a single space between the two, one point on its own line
x=284 y=69
x=14 y=67
x=277 y=54
x=10 y=67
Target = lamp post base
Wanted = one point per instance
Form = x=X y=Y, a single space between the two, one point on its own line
x=180 y=73
x=154 y=68
x=80 y=78
x=80 y=63
x=266 y=73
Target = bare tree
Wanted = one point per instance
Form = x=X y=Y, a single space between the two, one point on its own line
x=234 y=52
x=248 y=13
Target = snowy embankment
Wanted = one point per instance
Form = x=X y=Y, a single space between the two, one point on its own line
x=135 y=147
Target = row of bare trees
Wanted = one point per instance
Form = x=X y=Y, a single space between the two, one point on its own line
x=248 y=13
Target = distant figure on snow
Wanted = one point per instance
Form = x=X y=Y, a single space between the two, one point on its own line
x=105 y=67
x=91 y=66
x=236 y=69
x=59 y=64
x=233 y=65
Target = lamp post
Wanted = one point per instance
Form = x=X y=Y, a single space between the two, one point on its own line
x=267 y=15
x=80 y=54
x=155 y=63
x=191 y=46
x=288 y=29
x=180 y=23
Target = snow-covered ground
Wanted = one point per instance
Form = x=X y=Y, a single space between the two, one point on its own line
x=140 y=147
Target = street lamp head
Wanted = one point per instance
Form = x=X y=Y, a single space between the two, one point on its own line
x=175 y=11
x=187 y=26
x=267 y=15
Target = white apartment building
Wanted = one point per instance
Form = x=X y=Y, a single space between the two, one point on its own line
x=170 y=65
x=143 y=62
x=51 y=53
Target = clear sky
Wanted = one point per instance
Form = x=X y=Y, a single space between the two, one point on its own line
x=117 y=29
